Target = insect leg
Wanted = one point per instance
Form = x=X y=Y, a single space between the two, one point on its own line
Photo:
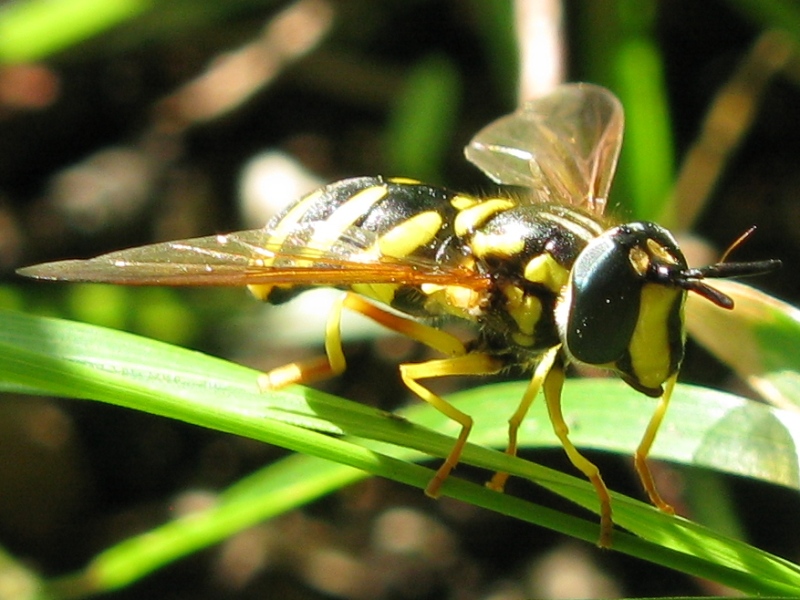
x=458 y=363
x=499 y=479
x=553 y=384
x=307 y=371
x=436 y=339
x=334 y=363
x=467 y=364
x=640 y=456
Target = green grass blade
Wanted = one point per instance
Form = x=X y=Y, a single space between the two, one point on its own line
x=619 y=48
x=300 y=479
x=648 y=153
x=703 y=427
x=33 y=29
x=775 y=14
x=90 y=362
x=766 y=352
x=423 y=120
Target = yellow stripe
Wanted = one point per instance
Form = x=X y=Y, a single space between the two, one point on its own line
x=411 y=234
x=545 y=270
x=469 y=219
x=578 y=229
x=649 y=347
x=460 y=202
x=404 y=181
x=277 y=236
x=587 y=222
x=340 y=221
x=381 y=292
x=497 y=244
x=345 y=215
x=288 y=223
x=327 y=231
x=399 y=242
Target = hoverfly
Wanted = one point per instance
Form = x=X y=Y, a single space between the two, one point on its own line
x=545 y=278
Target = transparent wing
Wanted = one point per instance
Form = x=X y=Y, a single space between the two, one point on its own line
x=563 y=146
x=242 y=258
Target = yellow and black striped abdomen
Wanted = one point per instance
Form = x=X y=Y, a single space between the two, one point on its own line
x=525 y=250
x=369 y=217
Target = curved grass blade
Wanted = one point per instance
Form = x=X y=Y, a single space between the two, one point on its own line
x=766 y=351
x=76 y=360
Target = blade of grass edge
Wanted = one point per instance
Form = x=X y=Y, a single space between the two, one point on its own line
x=767 y=334
x=36 y=368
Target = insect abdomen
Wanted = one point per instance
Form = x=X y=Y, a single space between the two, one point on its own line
x=397 y=218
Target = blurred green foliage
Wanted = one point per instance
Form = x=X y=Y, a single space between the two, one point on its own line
x=395 y=88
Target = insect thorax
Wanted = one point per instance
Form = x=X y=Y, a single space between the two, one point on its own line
x=529 y=250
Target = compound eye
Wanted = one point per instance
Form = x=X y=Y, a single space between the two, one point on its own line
x=604 y=296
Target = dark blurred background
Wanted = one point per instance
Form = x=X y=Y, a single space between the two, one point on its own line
x=178 y=119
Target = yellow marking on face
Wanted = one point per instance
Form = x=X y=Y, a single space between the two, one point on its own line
x=525 y=309
x=462 y=202
x=403 y=180
x=545 y=270
x=473 y=217
x=661 y=252
x=484 y=244
x=640 y=260
x=649 y=347
x=408 y=236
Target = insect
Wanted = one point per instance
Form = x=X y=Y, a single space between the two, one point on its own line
x=543 y=275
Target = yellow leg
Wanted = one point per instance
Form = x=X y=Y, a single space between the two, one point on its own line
x=499 y=479
x=468 y=364
x=322 y=367
x=437 y=339
x=458 y=363
x=553 y=384
x=640 y=457
x=334 y=363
